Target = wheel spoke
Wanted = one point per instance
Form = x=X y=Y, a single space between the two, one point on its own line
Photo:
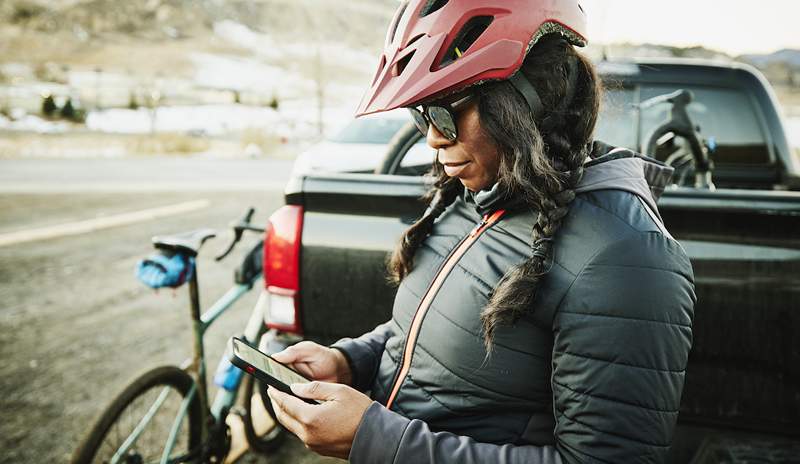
x=134 y=427
x=137 y=431
x=176 y=426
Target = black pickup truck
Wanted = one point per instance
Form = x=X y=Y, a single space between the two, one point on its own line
x=739 y=223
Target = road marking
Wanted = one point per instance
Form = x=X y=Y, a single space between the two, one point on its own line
x=91 y=225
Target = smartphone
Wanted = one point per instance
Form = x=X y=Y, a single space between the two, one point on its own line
x=262 y=366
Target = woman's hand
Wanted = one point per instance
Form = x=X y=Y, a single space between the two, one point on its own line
x=316 y=362
x=327 y=428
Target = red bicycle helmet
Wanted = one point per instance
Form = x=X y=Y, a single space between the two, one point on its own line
x=437 y=47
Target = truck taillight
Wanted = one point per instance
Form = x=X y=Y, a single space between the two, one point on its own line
x=282 y=268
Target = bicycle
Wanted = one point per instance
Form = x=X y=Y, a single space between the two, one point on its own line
x=695 y=155
x=165 y=413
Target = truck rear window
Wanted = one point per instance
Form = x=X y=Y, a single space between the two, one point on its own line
x=727 y=115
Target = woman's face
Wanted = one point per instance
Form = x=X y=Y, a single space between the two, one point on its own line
x=472 y=157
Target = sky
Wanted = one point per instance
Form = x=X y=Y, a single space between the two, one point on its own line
x=732 y=26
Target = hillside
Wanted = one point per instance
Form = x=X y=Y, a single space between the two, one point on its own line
x=255 y=71
x=151 y=34
x=242 y=72
x=353 y=22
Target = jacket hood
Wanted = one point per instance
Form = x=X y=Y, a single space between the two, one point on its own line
x=606 y=168
x=610 y=168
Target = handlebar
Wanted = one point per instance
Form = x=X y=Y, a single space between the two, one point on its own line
x=239 y=226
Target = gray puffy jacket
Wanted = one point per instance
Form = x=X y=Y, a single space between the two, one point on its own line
x=593 y=373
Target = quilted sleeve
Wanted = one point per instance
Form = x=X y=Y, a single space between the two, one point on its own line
x=622 y=337
x=364 y=354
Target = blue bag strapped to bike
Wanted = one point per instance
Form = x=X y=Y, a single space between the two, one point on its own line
x=164 y=269
x=227 y=375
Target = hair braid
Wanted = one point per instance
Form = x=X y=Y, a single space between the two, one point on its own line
x=516 y=291
x=439 y=198
x=565 y=133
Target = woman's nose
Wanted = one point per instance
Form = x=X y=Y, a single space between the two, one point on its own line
x=435 y=139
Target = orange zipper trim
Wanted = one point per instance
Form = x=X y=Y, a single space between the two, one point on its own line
x=427 y=299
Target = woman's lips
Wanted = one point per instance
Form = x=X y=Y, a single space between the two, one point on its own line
x=454 y=169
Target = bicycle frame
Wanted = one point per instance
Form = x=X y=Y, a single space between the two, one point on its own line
x=196 y=366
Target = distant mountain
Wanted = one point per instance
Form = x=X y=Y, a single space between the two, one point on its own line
x=787 y=56
x=628 y=50
x=781 y=68
x=353 y=22
x=790 y=57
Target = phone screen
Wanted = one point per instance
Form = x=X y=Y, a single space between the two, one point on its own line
x=266 y=364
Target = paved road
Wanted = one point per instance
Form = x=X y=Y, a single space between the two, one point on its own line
x=169 y=174
x=75 y=326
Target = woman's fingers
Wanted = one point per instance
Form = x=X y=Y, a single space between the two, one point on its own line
x=286 y=411
x=311 y=360
x=327 y=428
x=287 y=356
x=322 y=391
x=295 y=356
x=297 y=353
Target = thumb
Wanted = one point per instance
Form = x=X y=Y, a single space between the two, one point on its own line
x=296 y=353
x=287 y=356
x=316 y=390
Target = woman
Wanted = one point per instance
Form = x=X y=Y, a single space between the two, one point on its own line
x=544 y=312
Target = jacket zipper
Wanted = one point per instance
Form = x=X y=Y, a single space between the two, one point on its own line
x=416 y=322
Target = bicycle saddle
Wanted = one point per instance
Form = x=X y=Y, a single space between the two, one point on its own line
x=187 y=243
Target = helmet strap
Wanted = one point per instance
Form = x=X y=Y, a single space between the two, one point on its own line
x=524 y=87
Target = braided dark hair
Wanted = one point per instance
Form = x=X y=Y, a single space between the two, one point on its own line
x=444 y=192
x=540 y=166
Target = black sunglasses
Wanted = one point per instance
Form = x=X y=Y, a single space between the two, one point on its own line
x=442 y=116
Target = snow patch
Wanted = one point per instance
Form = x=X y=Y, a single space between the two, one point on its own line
x=21 y=71
x=36 y=124
x=241 y=35
x=233 y=73
x=213 y=120
x=265 y=46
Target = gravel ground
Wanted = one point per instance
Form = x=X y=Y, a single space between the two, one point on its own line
x=76 y=326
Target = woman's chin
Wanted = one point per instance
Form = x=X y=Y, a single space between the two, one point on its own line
x=472 y=185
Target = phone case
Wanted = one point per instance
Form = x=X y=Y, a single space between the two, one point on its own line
x=263 y=376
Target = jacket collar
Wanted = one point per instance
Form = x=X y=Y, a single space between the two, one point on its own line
x=486 y=201
x=607 y=168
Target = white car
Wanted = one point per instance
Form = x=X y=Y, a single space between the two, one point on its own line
x=361 y=145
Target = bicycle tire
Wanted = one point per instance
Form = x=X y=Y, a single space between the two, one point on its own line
x=273 y=438
x=158 y=378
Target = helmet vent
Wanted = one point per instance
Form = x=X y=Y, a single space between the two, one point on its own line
x=414 y=39
x=395 y=22
x=432 y=6
x=380 y=69
x=466 y=37
x=401 y=65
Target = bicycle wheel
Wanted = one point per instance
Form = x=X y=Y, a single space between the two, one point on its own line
x=158 y=393
x=262 y=430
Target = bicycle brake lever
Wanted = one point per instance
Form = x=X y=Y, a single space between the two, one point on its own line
x=239 y=226
x=225 y=253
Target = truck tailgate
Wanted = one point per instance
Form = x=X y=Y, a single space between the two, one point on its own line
x=351 y=224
